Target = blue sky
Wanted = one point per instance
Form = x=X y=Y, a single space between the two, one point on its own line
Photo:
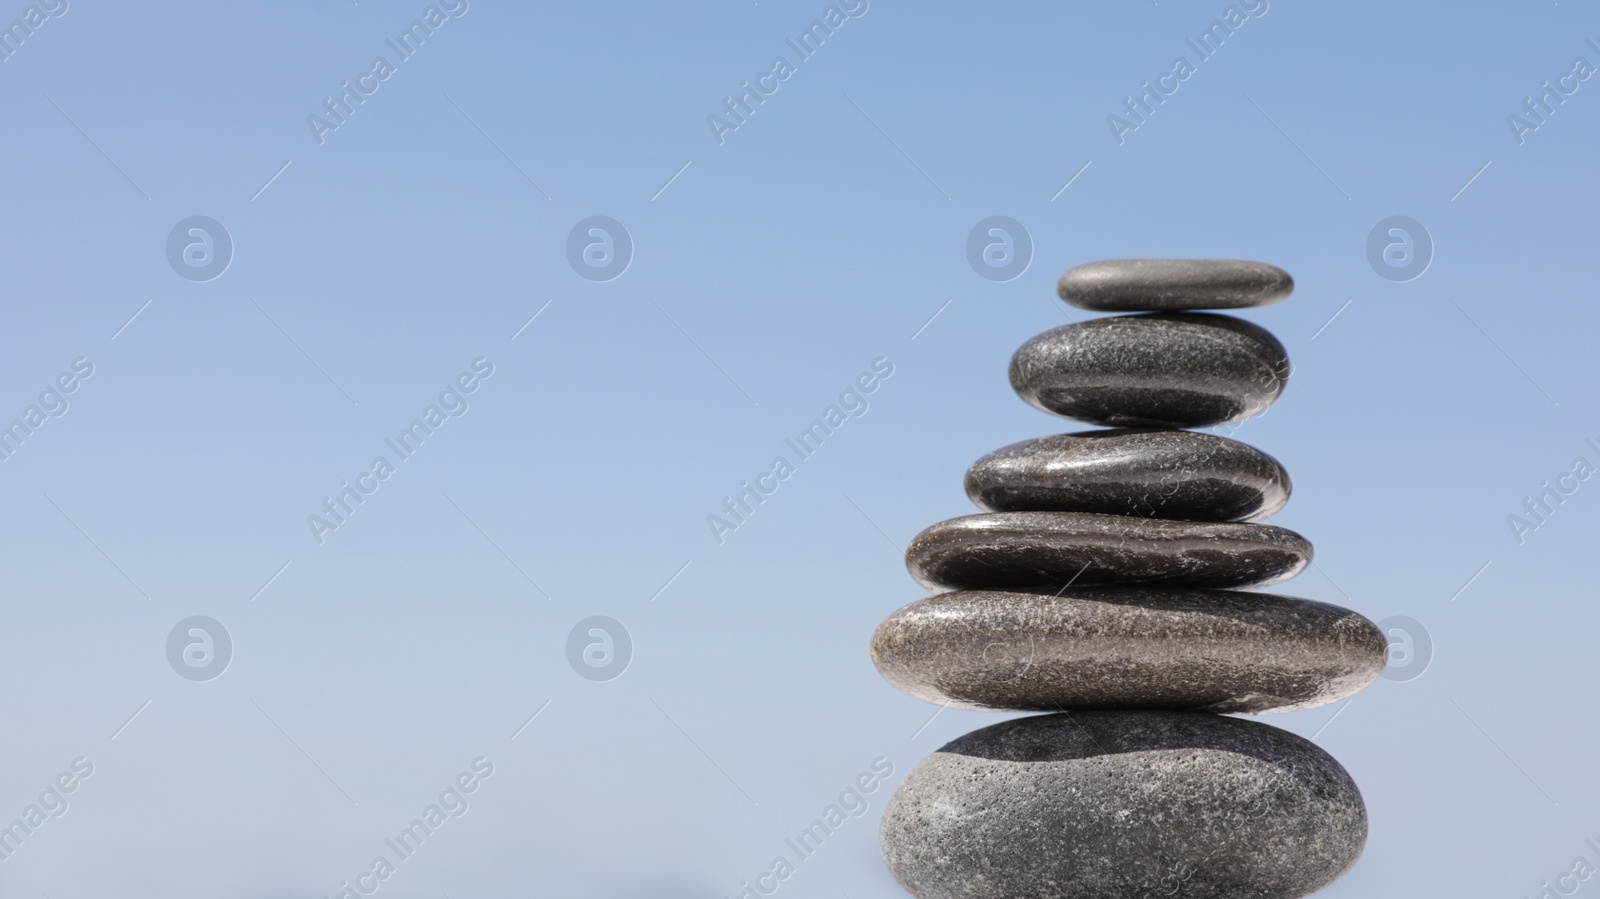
x=374 y=265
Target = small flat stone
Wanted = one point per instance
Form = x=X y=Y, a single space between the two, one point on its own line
x=1158 y=370
x=1124 y=804
x=1008 y=550
x=1149 y=473
x=1128 y=647
x=1170 y=285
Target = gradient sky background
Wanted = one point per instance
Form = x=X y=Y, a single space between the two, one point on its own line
x=767 y=273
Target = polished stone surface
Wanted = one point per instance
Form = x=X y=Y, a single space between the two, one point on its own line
x=1158 y=370
x=1171 y=285
x=1128 y=647
x=1149 y=473
x=1004 y=550
x=1124 y=804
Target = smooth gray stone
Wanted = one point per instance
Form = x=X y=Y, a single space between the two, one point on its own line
x=1153 y=474
x=1124 y=804
x=1171 y=285
x=1128 y=647
x=1158 y=370
x=1005 y=550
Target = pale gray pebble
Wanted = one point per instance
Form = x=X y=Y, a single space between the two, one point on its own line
x=1158 y=370
x=1128 y=647
x=1150 y=473
x=1124 y=804
x=1005 y=550
x=1170 y=285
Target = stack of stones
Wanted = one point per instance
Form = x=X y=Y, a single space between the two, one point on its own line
x=1104 y=583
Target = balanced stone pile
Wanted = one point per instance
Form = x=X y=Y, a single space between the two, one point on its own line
x=1103 y=583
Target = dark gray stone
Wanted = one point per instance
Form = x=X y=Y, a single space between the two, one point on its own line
x=1159 y=370
x=1152 y=474
x=1128 y=647
x=1170 y=285
x=1124 y=804
x=1005 y=550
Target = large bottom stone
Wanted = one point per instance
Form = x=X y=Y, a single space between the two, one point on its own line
x=1091 y=805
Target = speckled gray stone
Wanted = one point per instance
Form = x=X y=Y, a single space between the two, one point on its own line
x=1170 y=285
x=1124 y=805
x=1158 y=370
x=1128 y=647
x=1006 y=550
x=1149 y=473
